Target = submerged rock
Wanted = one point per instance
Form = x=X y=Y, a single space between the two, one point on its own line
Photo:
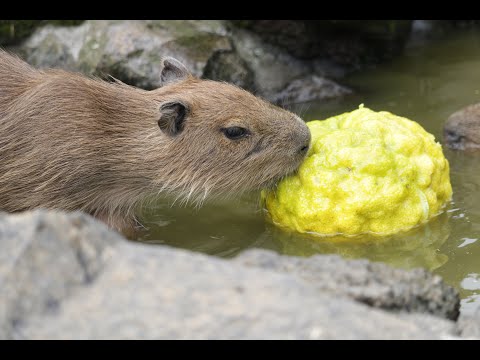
x=461 y=131
x=66 y=276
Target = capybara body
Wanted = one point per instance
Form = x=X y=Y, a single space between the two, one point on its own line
x=76 y=143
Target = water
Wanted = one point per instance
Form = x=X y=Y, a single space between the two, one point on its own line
x=426 y=84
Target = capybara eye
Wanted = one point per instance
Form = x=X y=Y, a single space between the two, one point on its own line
x=235 y=132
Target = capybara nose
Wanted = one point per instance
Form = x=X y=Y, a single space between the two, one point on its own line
x=304 y=148
x=304 y=138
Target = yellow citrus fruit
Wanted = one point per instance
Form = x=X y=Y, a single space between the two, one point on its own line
x=366 y=172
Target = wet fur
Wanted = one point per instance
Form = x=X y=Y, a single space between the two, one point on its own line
x=76 y=143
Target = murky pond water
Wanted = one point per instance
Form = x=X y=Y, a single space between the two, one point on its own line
x=426 y=84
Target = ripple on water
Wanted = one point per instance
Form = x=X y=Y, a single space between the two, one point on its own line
x=467 y=241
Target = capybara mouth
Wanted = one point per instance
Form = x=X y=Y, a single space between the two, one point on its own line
x=271 y=183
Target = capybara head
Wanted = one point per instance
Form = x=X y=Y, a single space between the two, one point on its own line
x=221 y=139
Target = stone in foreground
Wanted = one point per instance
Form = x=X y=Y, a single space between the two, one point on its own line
x=66 y=276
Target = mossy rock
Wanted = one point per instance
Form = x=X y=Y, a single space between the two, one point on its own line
x=13 y=31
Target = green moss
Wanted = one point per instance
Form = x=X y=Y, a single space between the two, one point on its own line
x=13 y=31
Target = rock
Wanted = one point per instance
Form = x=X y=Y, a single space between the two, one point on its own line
x=350 y=43
x=229 y=66
x=273 y=68
x=131 y=52
x=282 y=78
x=14 y=31
x=374 y=284
x=128 y=50
x=461 y=131
x=310 y=88
x=66 y=276
x=56 y=47
x=45 y=256
x=295 y=36
x=424 y=31
x=468 y=326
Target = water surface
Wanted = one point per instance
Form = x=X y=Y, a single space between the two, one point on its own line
x=426 y=84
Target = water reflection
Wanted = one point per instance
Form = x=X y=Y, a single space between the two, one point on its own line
x=418 y=247
x=221 y=229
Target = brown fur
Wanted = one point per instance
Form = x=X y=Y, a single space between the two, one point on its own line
x=75 y=143
x=462 y=129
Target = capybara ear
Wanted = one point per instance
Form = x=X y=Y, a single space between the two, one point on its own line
x=173 y=70
x=172 y=117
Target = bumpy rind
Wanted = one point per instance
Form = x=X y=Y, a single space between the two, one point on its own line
x=366 y=172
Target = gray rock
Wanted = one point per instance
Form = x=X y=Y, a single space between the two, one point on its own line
x=65 y=276
x=38 y=270
x=310 y=88
x=350 y=43
x=374 y=284
x=273 y=68
x=424 y=30
x=461 y=131
x=14 y=31
x=131 y=51
x=293 y=35
x=229 y=66
x=469 y=325
x=282 y=78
